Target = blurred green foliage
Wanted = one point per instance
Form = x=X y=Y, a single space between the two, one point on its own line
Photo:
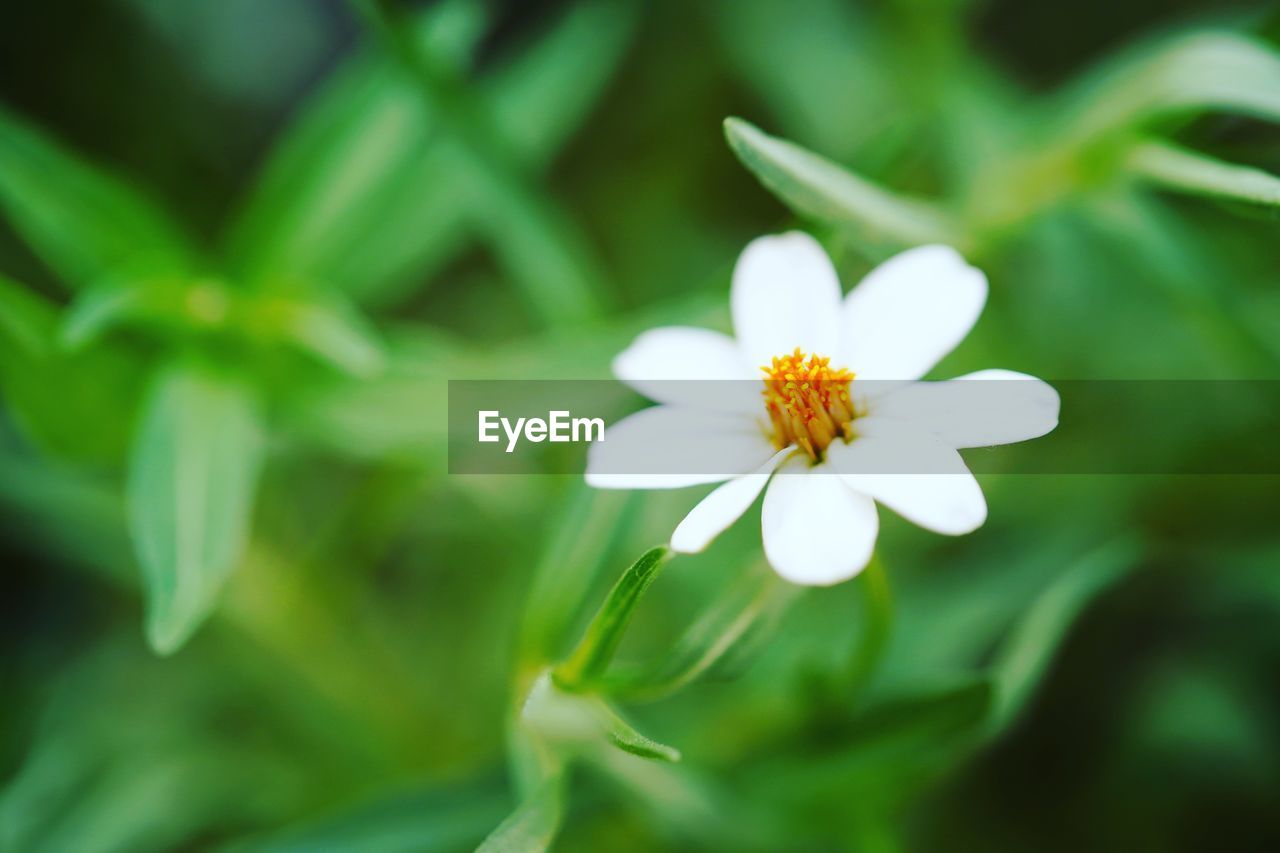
x=225 y=332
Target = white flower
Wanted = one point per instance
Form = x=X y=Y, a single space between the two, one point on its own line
x=838 y=410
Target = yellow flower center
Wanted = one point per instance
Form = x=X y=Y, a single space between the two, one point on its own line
x=808 y=402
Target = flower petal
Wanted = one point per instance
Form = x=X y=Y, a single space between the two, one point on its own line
x=909 y=312
x=720 y=509
x=667 y=447
x=816 y=530
x=785 y=295
x=937 y=491
x=979 y=409
x=689 y=366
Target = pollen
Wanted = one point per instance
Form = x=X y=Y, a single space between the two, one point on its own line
x=808 y=402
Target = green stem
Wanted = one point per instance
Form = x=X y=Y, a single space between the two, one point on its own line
x=588 y=662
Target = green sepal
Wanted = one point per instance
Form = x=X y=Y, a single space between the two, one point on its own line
x=588 y=662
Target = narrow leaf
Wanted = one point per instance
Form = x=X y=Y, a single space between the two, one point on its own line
x=46 y=499
x=539 y=245
x=1202 y=71
x=113 y=301
x=740 y=611
x=801 y=64
x=591 y=658
x=939 y=716
x=591 y=521
x=627 y=739
x=337 y=333
x=533 y=826
x=536 y=243
x=325 y=182
x=433 y=818
x=362 y=195
x=816 y=188
x=878 y=614
x=1188 y=171
x=191 y=483
x=51 y=394
x=326 y=186
x=538 y=99
x=883 y=750
x=80 y=220
x=1025 y=655
x=533 y=103
x=26 y=321
x=574 y=723
x=398 y=413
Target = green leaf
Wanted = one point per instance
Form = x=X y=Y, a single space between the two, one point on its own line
x=53 y=399
x=627 y=739
x=799 y=58
x=326 y=185
x=1189 y=73
x=878 y=610
x=562 y=722
x=364 y=195
x=405 y=822
x=399 y=413
x=26 y=322
x=592 y=520
x=537 y=100
x=100 y=772
x=533 y=103
x=882 y=752
x=539 y=246
x=934 y=714
x=890 y=750
x=533 y=826
x=1088 y=130
x=1025 y=655
x=816 y=188
x=334 y=331
x=109 y=303
x=740 y=611
x=44 y=500
x=591 y=658
x=192 y=477
x=1187 y=171
x=51 y=394
x=80 y=220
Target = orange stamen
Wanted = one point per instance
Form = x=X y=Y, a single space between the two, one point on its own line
x=808 y=401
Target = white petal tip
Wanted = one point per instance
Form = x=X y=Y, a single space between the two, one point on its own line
x=802 y=576
x=686 y=541
x=959 y=527
x=686 y=544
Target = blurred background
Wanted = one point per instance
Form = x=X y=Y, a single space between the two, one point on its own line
x=244 y=245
